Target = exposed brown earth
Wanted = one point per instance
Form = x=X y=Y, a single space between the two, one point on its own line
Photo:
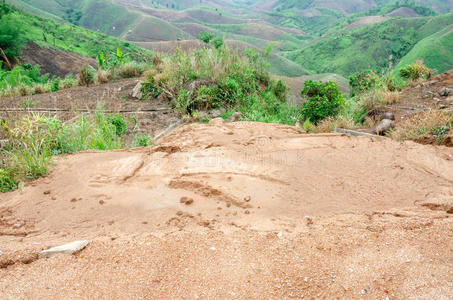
x=53 y=61
x=275 y=214
x=424 y=96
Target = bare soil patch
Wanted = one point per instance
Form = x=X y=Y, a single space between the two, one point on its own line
x=53 y=61
x=275 y=214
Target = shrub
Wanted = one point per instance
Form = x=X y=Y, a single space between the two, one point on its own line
x=86 y=76
x=119 y=123
x=324 y=99
x=40 y=89
x=55 y=84
x=217 y=42
x=8 y=180
x=206 y=36
x=150 y=88
x=362 y=82
x=35 y=138
x=415 y=71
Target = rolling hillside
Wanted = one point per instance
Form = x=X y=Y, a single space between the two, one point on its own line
x=376 y=46
x=48 y=33
x=435 y=50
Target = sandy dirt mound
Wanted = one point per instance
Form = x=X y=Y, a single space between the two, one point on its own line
x=236 y=210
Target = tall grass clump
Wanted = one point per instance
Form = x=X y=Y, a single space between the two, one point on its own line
x=415 y=71
x=34 y=139
x=431 y=126
x=220 y=78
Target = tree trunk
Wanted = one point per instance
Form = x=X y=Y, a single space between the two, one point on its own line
x=6 y=58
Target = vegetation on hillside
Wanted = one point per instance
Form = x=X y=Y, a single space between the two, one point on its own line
x=378 y=46
x=33 y=140
x=59 y=35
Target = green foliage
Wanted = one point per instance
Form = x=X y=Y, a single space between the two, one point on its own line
x=217 y=42
x=141 y=140
x=206 y=36
x=415 y=71
x=119 y=123
x=11 y=31
x=208 y=79
x=377 y=46
x=22 y=74
x=55 y=84
x=61 y=35
x=440 y=131
x=324 y=99
x=35 y=138
x=363 y=81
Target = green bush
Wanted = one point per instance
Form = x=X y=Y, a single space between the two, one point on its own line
x=206 y=36
x=324 y=99
x=362 y=82
x=415 y=71
x=217 y=42
x=119 y=123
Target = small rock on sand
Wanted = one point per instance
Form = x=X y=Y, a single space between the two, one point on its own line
x=383 y=126
x=137 y=91
x=186 y=200
x=64 y=249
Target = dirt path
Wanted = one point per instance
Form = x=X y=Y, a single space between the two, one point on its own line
x=238 y=211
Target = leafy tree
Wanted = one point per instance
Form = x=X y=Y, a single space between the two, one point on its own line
x=11 y=32
x=324 y=100
x=206 y=36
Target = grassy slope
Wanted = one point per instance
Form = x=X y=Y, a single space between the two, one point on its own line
x=375 y=46
x=436 y=51
x=353 y=6
x=64 y=36
x=154 y=29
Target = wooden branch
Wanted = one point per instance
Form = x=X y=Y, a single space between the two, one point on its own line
x=6 y=58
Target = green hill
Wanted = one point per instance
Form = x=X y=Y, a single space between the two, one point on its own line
x=50 y=33
x=435 y=50
x=376 y=46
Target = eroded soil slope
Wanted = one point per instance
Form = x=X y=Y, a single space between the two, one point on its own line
x=237 y=210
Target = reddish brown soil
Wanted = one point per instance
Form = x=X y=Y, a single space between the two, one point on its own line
x=275 y=215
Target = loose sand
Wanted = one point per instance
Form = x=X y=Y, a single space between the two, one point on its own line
x=275 y=214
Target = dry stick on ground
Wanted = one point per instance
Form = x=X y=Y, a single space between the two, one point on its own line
x=6 y=58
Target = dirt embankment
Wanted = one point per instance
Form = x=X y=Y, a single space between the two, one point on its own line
x=239 y=210
x=152 y=117
x=53 y=61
